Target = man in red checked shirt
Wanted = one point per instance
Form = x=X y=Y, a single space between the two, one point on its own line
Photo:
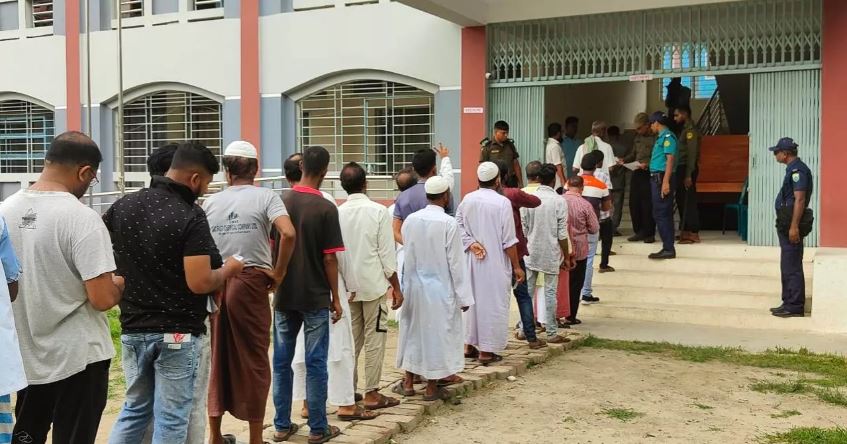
x=521 y=199
x=305 y=299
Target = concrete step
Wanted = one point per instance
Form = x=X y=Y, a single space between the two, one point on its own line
x=713 y=247
x=720 y=317
x=706 y=265
x=626 y=295
x=683 y=282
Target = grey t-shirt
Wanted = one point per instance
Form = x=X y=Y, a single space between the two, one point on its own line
x=241 y=218
x=60 y=243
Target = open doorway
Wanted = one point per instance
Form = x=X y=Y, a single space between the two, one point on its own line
x=721 y=109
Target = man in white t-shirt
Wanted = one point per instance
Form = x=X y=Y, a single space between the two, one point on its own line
x=12 y=378
x=553 y=153
x=68 y=283
x=596 y=142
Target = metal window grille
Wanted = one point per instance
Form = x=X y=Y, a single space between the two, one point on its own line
x=132 y=8
x=168 y=117
x=702 y=87
x=42 y=13
x=753 y=35
x=375 y=123
x=26 y=131
x=208 y=4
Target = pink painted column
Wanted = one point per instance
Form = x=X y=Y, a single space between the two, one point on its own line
x=72 y=67
x=474 y=90
x=250 y=96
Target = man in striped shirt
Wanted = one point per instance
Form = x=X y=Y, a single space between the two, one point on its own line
x=582 y=223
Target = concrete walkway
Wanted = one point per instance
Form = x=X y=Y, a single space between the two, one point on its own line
x=754 y=340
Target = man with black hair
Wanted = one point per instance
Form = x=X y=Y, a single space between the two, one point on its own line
x=793 y=222
x=501 y=147
x=369 y=242
x=522 y=199
x=241 y=218
x=570 y=143
x=596 y=192
x=553 y=153
x=686 y=176
x=306 y=298
x=488 y=237
x=163 y=243
x=159 y=161
x=547 y=239
x=67 y=284
x=663 y=182
x=414 y=198
x=640 y=200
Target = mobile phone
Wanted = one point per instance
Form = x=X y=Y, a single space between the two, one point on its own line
x=238 y=257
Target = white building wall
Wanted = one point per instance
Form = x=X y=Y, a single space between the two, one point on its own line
x=34 y=67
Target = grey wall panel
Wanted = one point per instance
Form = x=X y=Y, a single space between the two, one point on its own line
x=232 y=8
x=165 y=6
x=104 y=123
x=231 y=115
x=272 y=146
x=289 y=126
x=448 y=128
x=9 y=16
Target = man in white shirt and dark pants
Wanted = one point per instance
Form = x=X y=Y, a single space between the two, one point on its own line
x=596 y=141
x=554 y=155
x=366 y=227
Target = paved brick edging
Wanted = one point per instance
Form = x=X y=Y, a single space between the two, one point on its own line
x=517 y=359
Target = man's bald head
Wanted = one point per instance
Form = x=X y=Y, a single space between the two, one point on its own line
x=532 y=170
x=405 y=179
x=73 y=149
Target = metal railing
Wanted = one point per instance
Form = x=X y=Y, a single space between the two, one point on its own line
x=713 y=120
x=380 y=188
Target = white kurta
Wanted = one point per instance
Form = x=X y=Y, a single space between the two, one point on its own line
x=485 y=216
x=341 y=359
x=436 y=288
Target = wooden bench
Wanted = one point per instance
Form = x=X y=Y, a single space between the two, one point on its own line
x=724 y=163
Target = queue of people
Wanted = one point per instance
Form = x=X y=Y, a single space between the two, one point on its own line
x=193 y=280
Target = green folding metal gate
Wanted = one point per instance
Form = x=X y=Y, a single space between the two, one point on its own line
x=782 y=104
x=523 y=108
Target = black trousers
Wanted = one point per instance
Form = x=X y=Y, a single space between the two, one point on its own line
x=576 y=279
x=641 y=204
x=686 y=201
x=607 y=234
x=791 y=270
x=73 y=406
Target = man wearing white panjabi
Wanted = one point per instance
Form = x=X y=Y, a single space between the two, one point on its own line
x=437 y=291
x=341 y=361
x=488 y=237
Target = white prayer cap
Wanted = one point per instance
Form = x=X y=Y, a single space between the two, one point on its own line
x=487 y=171
x=240 y=148
x=436 y=185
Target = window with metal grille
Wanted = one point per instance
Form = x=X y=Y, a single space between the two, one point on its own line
x=42 y=13
x=132 y=8
x=26 y=131
x=208 y=4
x=376 y=123
x=685 y=58
x=165 y=117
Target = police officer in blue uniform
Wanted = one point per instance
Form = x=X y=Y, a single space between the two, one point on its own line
x=663 y=182
x=793 y=222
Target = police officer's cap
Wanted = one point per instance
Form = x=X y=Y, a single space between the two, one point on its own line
x=784 y=144
x=658 y=116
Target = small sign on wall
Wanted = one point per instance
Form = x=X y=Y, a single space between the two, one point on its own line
x=640 y=77
x=473 y=110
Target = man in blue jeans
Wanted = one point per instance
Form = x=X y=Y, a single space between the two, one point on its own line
x=305 y=299
x=165 y=251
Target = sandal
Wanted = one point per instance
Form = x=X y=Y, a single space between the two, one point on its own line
x=229 y=439
x=284 y=436
x=360 y=415
x=563 y=323
x=328 y=434
x=472 y=355
x=450 y=380
x=494 y=358
x=384 y=403
x=400 y=390
x=440 y=393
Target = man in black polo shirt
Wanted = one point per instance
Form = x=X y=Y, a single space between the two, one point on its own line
x=165 y=250
x=307 y=295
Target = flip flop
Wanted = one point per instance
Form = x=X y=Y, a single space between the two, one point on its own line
x=400 y=390
x=328 y=434
x=494 y=358
x=229 y=439
x=384 y=403
x=284 y=436
x=472 y=355
x=360 y=415
x=440 y=393
x=450 y=380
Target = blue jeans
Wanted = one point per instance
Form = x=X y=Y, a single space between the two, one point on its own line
x=593 y=239
x=159 y=386
x=551 y=284
x=663 y=210
x=524 y=300
x=286 y=326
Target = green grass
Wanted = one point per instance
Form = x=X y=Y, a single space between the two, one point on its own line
x=117 y=384
x=827 y=395
x=808 y=435
x=623 y=415
x=786 y=414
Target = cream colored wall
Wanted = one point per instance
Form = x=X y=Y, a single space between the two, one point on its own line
x=616 y=103
x=34 y=67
